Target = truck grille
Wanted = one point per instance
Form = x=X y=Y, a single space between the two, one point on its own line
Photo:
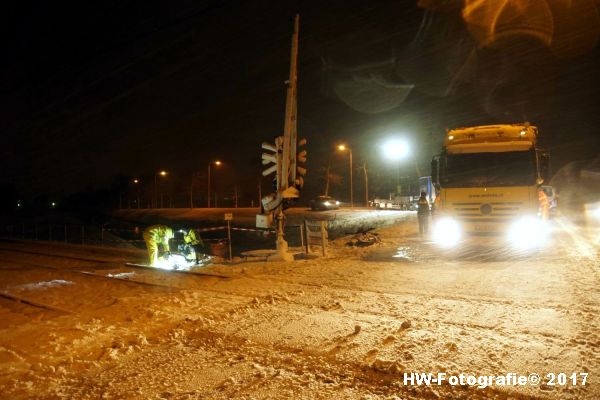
x=493 y=210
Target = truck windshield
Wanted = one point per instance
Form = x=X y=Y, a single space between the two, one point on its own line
x=515 y=168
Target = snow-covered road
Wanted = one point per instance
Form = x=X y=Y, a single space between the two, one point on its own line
x=346 y=326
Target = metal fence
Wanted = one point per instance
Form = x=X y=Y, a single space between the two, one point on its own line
x=68 y=233
x=121 y=236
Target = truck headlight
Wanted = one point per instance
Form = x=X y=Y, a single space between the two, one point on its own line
x=327 y=203
x=528 y=232
x=447 y=232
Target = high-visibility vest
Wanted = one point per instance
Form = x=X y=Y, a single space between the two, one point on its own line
x=159 y=234
x=423 y=206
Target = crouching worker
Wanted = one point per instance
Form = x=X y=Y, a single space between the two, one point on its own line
x=192 y=245
x=155 y=236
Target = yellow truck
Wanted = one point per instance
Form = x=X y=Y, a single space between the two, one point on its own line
x=488 y=181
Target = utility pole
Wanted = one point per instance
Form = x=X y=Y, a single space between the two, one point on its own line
x=259 y=192
x=287 y=172
x=364 y=168
x=351 y=190
x=192 y=192
x=216 y=163
x=327 y=180
x=284 y=158
x=208 y=190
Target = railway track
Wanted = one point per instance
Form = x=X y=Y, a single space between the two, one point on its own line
x=87 y=272
x=107 y=263
x=32 y=303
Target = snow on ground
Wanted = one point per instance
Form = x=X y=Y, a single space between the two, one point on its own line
x=346 y=326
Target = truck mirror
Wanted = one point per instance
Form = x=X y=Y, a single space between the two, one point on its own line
x=545 y=166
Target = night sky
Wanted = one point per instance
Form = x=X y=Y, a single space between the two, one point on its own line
x=92 y=90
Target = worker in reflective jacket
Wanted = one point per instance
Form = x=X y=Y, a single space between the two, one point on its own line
x=192 y=244
x=423 y=214
x=155 y=236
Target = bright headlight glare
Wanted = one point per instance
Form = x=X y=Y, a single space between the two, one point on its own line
x=337 y=203
x=327 y=203
x=447 y=232
x=528 y=232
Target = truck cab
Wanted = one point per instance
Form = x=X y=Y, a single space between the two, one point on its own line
x=488 y=180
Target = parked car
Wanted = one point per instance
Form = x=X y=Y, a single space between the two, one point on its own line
x=324 y=203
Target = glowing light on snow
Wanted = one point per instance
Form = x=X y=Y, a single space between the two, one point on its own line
x=45 y=285
x=163 y=264
x=121 y=275
x=528 y=233
x=174 y=262
x=447 y=232
x=582 y=247
x=403 y=253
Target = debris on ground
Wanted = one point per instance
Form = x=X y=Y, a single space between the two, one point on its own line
x=364 y=239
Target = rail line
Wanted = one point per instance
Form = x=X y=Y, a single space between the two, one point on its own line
x=36 y=304
x=97 y=276
x=116 y=264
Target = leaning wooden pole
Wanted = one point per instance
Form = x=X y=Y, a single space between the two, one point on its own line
x=288 y=159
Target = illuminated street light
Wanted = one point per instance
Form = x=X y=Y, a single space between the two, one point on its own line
x=161 y=173
x=395 y=149
x=217 y=163
x=343 y=147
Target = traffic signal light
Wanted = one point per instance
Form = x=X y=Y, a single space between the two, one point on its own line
x=300 y=163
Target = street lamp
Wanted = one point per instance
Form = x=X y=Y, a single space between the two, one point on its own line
x=396 y=149
x=217 y=163
x=343 y=147
x=136 y=183
x=364 y=168
x=161 y=173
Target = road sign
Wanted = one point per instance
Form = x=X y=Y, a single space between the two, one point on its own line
x=228 y=216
